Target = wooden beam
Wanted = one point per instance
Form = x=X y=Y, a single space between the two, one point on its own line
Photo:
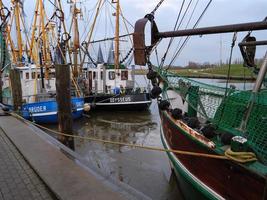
x=64 y=103
x=16 y=88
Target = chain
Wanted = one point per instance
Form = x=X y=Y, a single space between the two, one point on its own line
x=127 y=56
x=156 y=8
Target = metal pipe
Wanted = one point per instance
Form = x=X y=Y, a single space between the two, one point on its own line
x=256 y=88
x=256 y=43
x=252 y=26
x=261 y=75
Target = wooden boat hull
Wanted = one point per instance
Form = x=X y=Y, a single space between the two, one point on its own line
x=207 y=178
x=119 y=102
x=46 y=111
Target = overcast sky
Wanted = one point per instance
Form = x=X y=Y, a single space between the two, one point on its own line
x=220 y=12
x=198 y=49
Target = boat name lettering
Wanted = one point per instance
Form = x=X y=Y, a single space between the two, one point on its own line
x=120 y=99
x=37 y=109
x=79 y=104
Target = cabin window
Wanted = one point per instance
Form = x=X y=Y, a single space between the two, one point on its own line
x=101 y=75
x=33 y=75
x=38 y=75
x=27 y=75
x=94 y=75
x=52 y=75
x=124 y=75
x=111 y=75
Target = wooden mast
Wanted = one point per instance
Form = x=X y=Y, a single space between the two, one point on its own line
x=18 y=32
x=33 y=54
x=76 y=42
x=117 y=45
x=44 y=39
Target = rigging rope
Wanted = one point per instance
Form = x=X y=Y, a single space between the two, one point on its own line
x=187 y=38
x=171 y=40
x=156 y=8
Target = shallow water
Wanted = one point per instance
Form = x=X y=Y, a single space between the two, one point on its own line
x=147 y=172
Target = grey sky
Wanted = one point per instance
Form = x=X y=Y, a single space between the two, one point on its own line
x=206 y=48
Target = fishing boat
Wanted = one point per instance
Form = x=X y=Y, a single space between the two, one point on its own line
x=40 y=107
x=109 y=94
x=110 y=84
x=225 y=124
x=35 y=83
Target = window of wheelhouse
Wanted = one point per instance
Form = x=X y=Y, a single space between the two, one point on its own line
x=101 y=75
x=52 y=75
x=27 y=75
x=111 y=75
x=124 y=75
x=94 y=75
x=33 y=75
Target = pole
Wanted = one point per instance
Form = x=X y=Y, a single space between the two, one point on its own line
x=215 y=29
x=117 y=30
x=18 y=31
x=16 y=88
x=76 y=42
x=64 y=103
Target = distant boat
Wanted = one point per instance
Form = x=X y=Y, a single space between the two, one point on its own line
x=38 y=81
x=110 y=94
x=111 y=83
x=40 y=106
x=46 y=111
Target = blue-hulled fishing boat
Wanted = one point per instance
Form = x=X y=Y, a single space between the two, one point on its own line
x=41 y=107
x=46 y=111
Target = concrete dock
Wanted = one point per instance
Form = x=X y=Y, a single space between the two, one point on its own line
x=31 y=167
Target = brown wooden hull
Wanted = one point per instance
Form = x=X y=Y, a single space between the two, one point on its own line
x=228 y=179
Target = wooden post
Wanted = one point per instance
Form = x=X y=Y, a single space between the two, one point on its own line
x=16 y=88
x=64 y=103
x=1 y=83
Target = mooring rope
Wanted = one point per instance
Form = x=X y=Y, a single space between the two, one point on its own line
x=222 y=157
x=235 y=157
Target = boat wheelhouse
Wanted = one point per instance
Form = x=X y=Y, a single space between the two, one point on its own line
x=110 y=88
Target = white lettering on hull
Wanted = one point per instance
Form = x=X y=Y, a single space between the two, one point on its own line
x=120 y=99
x=37 y=109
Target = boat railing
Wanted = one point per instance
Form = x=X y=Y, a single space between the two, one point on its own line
x=39 y=97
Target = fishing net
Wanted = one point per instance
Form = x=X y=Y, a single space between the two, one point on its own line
x=4 y=67
x=242 y=113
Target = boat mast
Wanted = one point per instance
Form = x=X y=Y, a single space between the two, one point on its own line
x=33 y=54
x=44 y=39
x=117 y=44
x=17 y=21
x=76 y=42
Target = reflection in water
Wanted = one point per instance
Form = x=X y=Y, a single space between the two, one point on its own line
x=146 y=171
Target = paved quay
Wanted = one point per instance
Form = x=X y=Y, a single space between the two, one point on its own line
x=18 y=180
x=31 y=167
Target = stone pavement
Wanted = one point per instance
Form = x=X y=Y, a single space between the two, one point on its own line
x=17 y=179
x=65 y=177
